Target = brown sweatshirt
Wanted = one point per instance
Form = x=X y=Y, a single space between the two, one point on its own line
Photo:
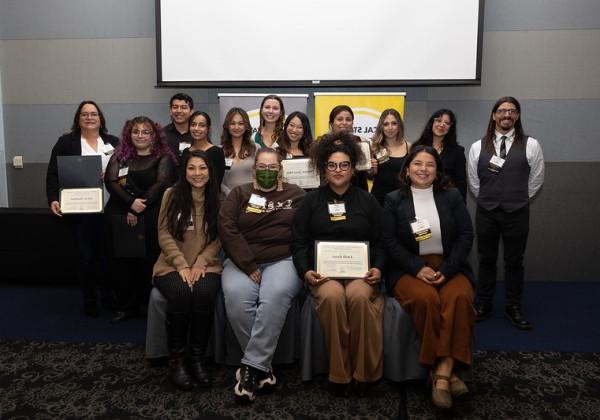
x=176 y=255
x=253 y=235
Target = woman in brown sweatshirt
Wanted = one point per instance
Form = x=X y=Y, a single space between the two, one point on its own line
x=259 y=280
x=188 y=270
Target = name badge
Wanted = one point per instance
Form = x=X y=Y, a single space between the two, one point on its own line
x=421 y=229
x=228 y=163
x=108 y=149
x=256 y=204
x=183 y=145
x=337 y=211
x=190 y=222
x=382 y=156
x=496 y=163
x=123 y=171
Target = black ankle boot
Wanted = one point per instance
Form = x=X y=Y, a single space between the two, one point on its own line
x=200 y=327
x=177 y=328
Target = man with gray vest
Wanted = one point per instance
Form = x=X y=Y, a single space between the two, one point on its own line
x=506 y=169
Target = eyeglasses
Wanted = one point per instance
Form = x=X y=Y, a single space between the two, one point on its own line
x=442 y=122
x=344 y=166
x=88 y=115
x=269 y=167
x=509 y=111
x=141 y=133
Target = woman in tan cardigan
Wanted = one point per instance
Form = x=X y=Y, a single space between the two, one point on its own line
x=188 y=270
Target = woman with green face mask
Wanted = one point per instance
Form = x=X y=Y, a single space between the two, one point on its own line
x=259 y=280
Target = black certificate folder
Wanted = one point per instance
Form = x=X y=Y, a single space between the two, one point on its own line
x=128 y=241
x=79 y=171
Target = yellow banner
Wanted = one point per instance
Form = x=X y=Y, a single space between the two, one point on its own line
x=367 y=108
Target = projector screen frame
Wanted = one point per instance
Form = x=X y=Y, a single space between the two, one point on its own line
x=311 y=83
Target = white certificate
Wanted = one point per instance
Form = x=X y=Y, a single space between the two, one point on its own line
x=81 y=200
x=342 y=260
x=299 y=172
x=365 y=148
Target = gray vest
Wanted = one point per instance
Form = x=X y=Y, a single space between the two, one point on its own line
x=508 y=188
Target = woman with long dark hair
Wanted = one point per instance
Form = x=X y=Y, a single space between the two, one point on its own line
x=238 y=148
x=188 y=269
x=428 y=234
x=137 y=175
x=440 y=133
x=297 y=139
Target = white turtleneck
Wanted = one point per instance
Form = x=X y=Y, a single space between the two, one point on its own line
x=425 y=209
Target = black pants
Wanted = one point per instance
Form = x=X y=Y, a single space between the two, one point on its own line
x=512 y=228
x=132 y=281
x=92 y=272
x=180 y=298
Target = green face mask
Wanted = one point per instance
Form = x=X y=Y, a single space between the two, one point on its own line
x=266 y=178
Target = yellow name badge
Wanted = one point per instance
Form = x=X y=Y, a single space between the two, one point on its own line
x=256 y=204
x=337 y=211
x=421 y=229
x=122 y=176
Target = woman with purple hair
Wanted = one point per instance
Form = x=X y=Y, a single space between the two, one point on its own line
x=136 y=177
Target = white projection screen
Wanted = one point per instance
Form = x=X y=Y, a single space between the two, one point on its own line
x=318 y=43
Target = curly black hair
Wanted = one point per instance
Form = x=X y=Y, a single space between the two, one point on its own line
x=331 y=143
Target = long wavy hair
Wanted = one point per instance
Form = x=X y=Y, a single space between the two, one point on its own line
x=379 y=137
x=180 y=207
x=304 y=143
x=427 y=134
x=441 y=181
x=126 y=151
x=247 y=148
x=76 y=128
x=279 y=123
x=487 y=142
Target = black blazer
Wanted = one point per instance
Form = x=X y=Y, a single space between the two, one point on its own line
x=67 y=145
x=455 y=167
x=403 y=249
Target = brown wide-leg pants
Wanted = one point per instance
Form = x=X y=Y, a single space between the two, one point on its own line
x=351 y=315
x=443 y=316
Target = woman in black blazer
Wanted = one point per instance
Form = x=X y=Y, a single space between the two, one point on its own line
x=88 y=136
x=428 y=233
x=440 y=132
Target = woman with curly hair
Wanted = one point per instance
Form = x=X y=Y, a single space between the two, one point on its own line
x=271 y=115
x=136 y=178
x=350 y=310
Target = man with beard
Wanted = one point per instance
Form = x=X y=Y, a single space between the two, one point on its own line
x=181 y=106
x=506 y=169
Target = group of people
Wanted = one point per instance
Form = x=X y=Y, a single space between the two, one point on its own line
x=224 y=217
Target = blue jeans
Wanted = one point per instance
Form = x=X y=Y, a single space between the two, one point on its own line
x=257 y=312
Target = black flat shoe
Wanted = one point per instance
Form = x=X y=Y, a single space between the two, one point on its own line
x=514 y=315
x=121 y=316
x=339 y=390
x=484 y=311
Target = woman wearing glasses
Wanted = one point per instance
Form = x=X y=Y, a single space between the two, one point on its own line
x=88 y=137
x=350 y=311
x=440 y=133
x=259 y=280
x=137 y=175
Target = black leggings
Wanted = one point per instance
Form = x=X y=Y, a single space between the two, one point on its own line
x=180 y=298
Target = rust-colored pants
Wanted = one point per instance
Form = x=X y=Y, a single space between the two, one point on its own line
x=351 y=315
x=443 y=316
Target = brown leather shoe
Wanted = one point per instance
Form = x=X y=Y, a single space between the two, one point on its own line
x=441 y=397
x=457 y=387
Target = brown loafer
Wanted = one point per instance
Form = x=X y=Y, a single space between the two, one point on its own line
x=441 y=398
x=457 y=387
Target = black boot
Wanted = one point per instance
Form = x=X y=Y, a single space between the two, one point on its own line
x=177 y=328
x=200 y=328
